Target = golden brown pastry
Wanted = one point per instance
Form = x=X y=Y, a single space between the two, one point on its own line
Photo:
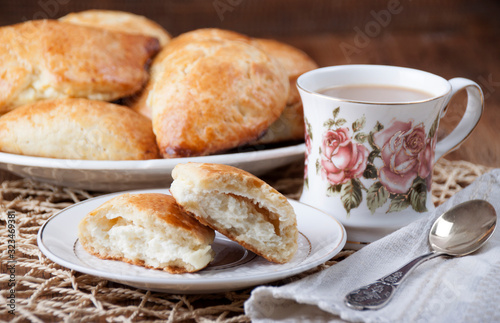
x=290 y=125
x=238 y=205
x=148 y=230
x=119 y=21
x=77 y=129
x=208 y=96
x=140 y=103
x=48 y=59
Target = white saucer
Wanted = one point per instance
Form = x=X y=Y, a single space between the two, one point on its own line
x=321 y=237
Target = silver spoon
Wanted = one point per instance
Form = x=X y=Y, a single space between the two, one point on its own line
x=458 y=232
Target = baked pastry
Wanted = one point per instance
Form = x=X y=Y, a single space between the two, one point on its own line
x=119 y=21
x=48 y=59
x=208 y=96
x=140 y=102
x=238 y=205
x=290 y=125
x=148 y=230
x=77 y=129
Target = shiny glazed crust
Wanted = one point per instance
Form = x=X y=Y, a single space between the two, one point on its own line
x=77 y=129
x=119 y=21
x=48 y=59
x=212 y=95
x=151 y=211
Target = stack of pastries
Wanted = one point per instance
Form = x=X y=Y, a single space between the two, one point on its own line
x=110 y=85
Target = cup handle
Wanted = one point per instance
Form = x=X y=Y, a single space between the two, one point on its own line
x=473 y=112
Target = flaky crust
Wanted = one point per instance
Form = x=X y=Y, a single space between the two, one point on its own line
x=77 y=129
x=119 y=21
x=160 y=209
x=290 y=125
x=211 y=95
x=48 y=59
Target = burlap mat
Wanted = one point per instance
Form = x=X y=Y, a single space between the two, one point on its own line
x=48 y=292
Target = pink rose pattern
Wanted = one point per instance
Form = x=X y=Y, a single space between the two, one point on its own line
x=406 y=154
x=341 y=158
x=403 y=175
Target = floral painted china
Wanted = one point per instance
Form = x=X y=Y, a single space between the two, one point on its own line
x=369 y=163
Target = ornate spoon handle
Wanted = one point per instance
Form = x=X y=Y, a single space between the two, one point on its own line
x=376 y=295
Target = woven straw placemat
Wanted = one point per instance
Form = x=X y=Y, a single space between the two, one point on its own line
x=46 y=292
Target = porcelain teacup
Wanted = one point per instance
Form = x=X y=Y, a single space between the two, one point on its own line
x=369 y=163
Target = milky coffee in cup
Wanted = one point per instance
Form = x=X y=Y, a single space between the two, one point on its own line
x=376 y=93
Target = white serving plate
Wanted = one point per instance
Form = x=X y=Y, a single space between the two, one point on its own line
x=127 y=174
x=321 y=237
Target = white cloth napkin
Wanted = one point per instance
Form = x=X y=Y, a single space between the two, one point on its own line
x=465 y=289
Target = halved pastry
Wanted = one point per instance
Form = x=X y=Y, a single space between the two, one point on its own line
x=239 y=205
x=148 y=230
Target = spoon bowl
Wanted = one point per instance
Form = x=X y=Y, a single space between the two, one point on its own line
x=463 y=229
x=459 y=231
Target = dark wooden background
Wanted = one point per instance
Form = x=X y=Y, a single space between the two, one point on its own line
x=445 y=37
